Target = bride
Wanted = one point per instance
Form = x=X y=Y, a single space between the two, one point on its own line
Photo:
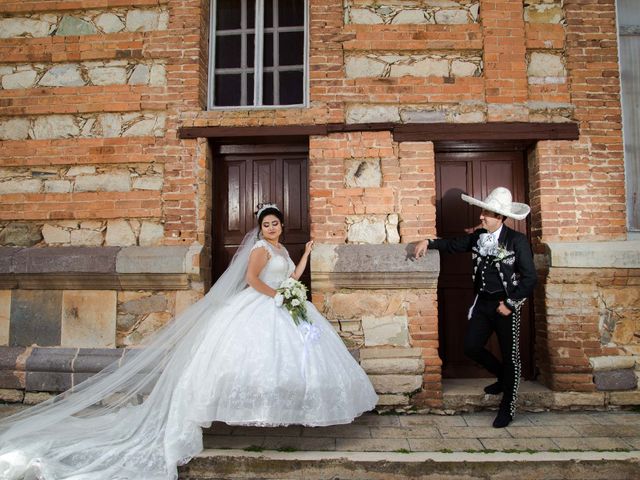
x=235 y=356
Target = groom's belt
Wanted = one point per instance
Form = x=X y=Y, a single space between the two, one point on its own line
x=500 y=295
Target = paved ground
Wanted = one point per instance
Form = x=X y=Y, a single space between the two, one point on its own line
x=546 y=431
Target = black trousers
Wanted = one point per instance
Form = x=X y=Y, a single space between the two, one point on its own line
x=484 y=321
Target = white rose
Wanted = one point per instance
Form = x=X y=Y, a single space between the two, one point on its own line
x=295 y=302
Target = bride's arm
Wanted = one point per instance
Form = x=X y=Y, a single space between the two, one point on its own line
x=257 y=261
x=302 y=264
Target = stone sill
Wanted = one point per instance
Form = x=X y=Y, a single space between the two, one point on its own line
x=97 y=268
x=614 y=254
x=372 y=267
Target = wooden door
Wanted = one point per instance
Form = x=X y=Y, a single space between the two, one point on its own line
x=246 y=175
x=476 y=174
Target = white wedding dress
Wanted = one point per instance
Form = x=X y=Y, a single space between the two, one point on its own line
x=238 y=359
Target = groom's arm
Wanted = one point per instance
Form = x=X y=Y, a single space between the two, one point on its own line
x=453 y=245
x=526 y=268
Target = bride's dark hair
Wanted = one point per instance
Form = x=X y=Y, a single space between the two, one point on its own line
x=270 y=211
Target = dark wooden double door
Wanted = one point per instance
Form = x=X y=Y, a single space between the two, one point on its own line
x=476 y=174
x=247 y=175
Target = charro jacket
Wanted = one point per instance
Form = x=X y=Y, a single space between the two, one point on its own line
x=513 y=259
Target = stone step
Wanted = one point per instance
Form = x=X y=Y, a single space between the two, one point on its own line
x=239 y=464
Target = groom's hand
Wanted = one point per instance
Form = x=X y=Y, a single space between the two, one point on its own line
x=503 y=309
x=421 y=248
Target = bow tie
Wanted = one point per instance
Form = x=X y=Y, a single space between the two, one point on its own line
x=487 y=244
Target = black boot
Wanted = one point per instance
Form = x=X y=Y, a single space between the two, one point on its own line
x=494 y=388
x=503 y=418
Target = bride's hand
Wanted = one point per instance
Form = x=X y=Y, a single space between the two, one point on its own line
x=308 y=247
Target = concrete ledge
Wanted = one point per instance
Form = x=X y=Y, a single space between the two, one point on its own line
x=372 y=267
x=95 y=268
x=622 y=254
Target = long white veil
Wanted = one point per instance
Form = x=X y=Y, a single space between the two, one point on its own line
x=114 y=425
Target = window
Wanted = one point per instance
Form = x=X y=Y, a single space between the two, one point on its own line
x=258 y=53
x=629 y=42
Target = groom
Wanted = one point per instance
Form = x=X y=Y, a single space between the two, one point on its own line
x=503 y=277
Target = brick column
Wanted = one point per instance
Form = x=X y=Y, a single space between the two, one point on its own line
x=505 y=68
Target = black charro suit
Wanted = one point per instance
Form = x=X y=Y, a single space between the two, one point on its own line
x=507 y=275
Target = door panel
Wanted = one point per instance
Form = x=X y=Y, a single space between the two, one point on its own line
x=476 y=174
x=247 y=175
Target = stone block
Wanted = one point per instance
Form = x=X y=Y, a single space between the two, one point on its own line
x=372 y=114
x=35 y=317
x=107 y=182
x=139 y=75
x=147 y=126
x=93 y=360
x=150 y=324
x=382 y=353
x=142 y=20
x=410 y=16
x=186 y=298
x=609 y=254
x=460 y=68
x=75 y=26
x=470 y=117
x=158 y=76
x=151 y=260
x=396 y=384
x=66 y=260
x=422 y=68
x=366 y=230
x=23 y=27
x=14 y=129
x=145 y=305
x=24 y=79
x=364 y=16
x=20 y=186
x=423 y=116
x=5 y=316
x=119 y=233
x=34 y=398
x=578 y=399
x=151 y=234
x=20 y=234
x=109 y=23
x=87 y=238
x=608 y=380
x=48 y=381
x=452 y=16
x=631 y=397
x=54 y=235
x=393 y=366
x=88 y=318
x=543 y=64
x=148 y=183
x=11 y=395
x=57 y=186
x=51 y=360
x=67 y=75
x=389 y=330
x=612 y=363
x=81 y=170
x=544 y=13
x=362 y=67
x=55 y=126
x=363 y=173
x=390 y=400
x=108 y=76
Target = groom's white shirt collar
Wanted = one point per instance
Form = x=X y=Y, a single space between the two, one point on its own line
x=496 y=234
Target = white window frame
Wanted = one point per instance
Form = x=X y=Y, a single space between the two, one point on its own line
x=257 y=62
x=629 y=107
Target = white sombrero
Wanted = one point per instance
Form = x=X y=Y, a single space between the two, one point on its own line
x=500 y=201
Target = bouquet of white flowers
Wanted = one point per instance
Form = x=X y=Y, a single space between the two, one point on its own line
x=292 y=296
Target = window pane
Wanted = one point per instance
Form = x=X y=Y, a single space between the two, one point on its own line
x=227 y=14
x=267 y=52
x=291 y=48
x=227 y=90
x=291 y=84
x=268 y=13
x=250 y=89
x=267 y=88
x=251 y=12
x=228 y=51
x=290 y=13
x=251 y=39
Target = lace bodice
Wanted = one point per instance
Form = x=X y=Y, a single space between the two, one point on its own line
x=278 y=268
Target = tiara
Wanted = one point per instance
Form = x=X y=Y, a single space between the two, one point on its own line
x=263 y=206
